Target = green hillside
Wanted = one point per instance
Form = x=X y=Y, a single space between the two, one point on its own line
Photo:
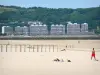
x=4 y=9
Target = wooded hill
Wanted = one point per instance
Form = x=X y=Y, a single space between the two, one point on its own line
x=10 y=14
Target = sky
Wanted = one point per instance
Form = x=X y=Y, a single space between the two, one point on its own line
x=53 y=3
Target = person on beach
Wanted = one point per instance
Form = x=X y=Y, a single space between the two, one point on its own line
x=78 y=41
x=93 y=54
x=66 y=46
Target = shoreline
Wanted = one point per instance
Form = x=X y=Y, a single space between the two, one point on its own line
x=52 y=37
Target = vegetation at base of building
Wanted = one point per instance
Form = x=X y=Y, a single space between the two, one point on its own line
x=97 y=31
x=14 y=15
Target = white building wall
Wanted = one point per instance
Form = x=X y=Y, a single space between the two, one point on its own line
x=25 y=30
x=19 y=30
x=3 y=29
x=73 y=28
x=7 y=30
x=38 y=29
x=84 y=27
x=70 y=28
x=57 y=29
x=44 y=29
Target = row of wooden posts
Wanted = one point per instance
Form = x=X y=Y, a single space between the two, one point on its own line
x=28 y=48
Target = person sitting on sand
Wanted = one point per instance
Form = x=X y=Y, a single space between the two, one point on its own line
x=56 y=59
x=68 y=60
x=93 y=54
x=63 y=50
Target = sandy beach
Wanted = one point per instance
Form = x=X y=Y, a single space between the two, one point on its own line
x=41 y=63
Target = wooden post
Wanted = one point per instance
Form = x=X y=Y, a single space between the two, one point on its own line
x=15 y=48
x=20 y=48
x=45 y=48
x=24 y=48
x=57 y=48
x=41 y=47
x=37 y=48
x=53 y=48
x=6 y=47
x=29 y=47
x=72 y=46
x=11 y=47
x=49 y=47
x=1 y=48
x=33 y=48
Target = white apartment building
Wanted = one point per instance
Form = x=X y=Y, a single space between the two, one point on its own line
x=84 y=27
x=57 y=29
x=73 y=28
x=19 y=30
x=38 y=29
x=7 y=30
x=25 y=30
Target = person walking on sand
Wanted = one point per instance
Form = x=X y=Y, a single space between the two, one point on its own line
x=93 y=54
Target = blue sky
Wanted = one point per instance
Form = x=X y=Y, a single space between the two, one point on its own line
x=53 y=3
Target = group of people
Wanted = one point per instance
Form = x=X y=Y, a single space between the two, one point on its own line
x=58 y=60
x=93 y=55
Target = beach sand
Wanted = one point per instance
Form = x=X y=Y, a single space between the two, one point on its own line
x=41 y=63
